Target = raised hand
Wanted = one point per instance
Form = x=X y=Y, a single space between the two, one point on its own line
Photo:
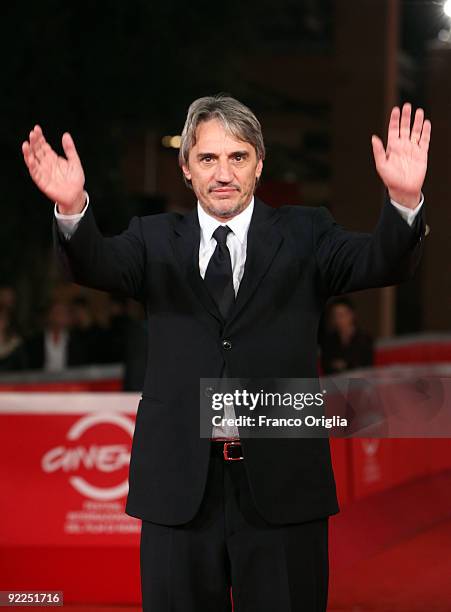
x=60 y=178
x=402 y=165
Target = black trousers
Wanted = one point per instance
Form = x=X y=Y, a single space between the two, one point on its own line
x=192 y=567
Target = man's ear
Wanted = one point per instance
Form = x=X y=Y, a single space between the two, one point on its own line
x=259 y=169
x=186 y=172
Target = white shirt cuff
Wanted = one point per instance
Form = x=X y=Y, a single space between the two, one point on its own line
x=408 y=214
x=68 y=223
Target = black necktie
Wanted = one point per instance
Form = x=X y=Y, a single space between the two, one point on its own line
x=218 y=276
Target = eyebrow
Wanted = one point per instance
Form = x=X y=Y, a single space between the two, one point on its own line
x=206 y=154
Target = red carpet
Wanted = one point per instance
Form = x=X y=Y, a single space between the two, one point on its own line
x=413 y=576
x=392 y=551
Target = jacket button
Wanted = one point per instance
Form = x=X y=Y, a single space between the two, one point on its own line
x=226 y=345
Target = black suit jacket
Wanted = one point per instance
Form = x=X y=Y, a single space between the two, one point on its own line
x=297 y=257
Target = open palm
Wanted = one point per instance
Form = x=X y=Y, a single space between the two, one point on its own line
x=60 y=178
x=402 y=165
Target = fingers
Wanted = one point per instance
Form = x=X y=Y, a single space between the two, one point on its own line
x=38 y=144
x=425 y=136
x=34 y=167
x=29 y=157
x=417 y=126
x=393 y=127
x=38 y=147
x=379 y=153
x=42 y=151
x=404 y=131
x=421 y=129
x=36 y=137
x=399 y=127
x=37 y=154
x=69 y=147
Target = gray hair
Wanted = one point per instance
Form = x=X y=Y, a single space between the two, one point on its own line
x=236 y=118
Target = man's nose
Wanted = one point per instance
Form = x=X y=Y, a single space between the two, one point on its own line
x=223 y=172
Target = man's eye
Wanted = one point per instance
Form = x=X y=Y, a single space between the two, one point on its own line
x=207 y=158
x=239 y=158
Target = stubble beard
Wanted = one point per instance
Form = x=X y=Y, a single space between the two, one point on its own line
x=229 y=213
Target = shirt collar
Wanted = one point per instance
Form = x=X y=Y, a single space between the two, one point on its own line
x=239 y=224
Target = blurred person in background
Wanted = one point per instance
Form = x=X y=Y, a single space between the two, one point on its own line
x=12 y=354
x=344 y=345
x=56 y=347
x=89 y=336
x=116 y=330
x=8 y=297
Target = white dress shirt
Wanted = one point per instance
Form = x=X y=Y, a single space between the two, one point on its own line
x=55 y=352
x=236 y=243
x=236 y=240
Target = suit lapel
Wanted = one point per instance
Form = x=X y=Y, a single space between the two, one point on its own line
x=186 y=245
x=263 y=242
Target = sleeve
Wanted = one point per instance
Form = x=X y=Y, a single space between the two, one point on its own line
x=350 y=261
x=67 y=224
x=114 y=264
x=408 y=214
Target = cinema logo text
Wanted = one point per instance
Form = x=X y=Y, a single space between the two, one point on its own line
x=100 y=458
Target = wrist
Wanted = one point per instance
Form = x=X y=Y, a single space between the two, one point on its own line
x=75 y=207
x=408 y=200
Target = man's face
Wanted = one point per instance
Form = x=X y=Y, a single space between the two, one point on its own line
x=342 y=317
x=222 y=170
x=58 y=316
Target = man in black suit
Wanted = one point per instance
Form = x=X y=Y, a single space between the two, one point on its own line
x=234 y=288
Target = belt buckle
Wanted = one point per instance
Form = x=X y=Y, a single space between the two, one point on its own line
x=226 y=446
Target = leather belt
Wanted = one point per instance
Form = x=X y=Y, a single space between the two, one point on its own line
x=230 y=450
